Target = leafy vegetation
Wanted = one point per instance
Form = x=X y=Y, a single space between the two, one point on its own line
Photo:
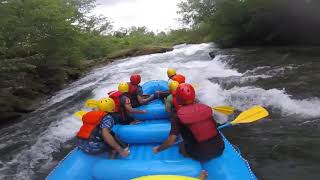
x=46 y=43
x=254 y=22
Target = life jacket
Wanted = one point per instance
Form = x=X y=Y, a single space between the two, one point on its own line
x=133 y=95
x=179 y=78
x=90 y=122
x=115 y=95
x=132 y=89
x=198 y=118
x=174 y=101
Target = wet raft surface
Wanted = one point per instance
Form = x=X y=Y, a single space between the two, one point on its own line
x=142 y=161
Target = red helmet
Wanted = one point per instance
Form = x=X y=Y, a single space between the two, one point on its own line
x=135 y=79
x=185 y=94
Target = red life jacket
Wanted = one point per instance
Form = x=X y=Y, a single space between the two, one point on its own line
x=198 y=118
x=132 y=89
x=133 y=95
x=179 y=78
x=90 y=121
x=174 y=101
x=115 y=95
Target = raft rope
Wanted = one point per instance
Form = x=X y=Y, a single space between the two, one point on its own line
x=238 y=152
x=237 y=148
x=60 y=162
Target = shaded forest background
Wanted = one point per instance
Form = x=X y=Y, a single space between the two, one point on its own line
x=232 y=23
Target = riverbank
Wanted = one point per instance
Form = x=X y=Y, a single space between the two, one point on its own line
x=22 y=90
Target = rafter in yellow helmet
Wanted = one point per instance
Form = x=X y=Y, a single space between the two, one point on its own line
x=173 y=86
x=171 y=72
x=106 y=104
x=123 y=87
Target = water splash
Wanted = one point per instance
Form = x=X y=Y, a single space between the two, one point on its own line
x=53 y=125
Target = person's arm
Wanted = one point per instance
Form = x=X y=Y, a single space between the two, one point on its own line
x=145 y=100
x=130 y=109
x=169 y=142
x=108 y=138
x=175 y=130
x=162 y=93
x=168 y=104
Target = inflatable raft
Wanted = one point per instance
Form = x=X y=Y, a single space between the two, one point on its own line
x=142 y=137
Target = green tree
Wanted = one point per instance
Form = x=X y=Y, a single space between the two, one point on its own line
x=242 y=22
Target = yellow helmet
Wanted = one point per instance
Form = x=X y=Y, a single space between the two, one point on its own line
x=173 y=86
x=123 y=87
x=106 y=104
x=171 y=72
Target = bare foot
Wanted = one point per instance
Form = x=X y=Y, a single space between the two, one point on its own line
x=203 y=175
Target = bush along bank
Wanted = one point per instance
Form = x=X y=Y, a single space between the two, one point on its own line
x=24 y=85
x=45 y=44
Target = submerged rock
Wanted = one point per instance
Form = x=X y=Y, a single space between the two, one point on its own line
x=212 y=54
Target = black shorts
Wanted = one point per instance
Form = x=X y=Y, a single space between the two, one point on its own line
x=206 y=150
x=127 y=119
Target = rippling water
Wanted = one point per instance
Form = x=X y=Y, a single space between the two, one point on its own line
x=284 y=146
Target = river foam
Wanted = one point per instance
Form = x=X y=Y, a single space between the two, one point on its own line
x=191 y=60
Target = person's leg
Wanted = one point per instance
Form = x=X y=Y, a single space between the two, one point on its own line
x=92 y=147
x=203 y=175
x=113 y=153
x=129 y=119
x=182 y=149
x=118 y=140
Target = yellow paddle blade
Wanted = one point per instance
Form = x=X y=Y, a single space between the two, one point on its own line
x=79 y=114
x=91 y=103
x=165 y=177
x=227 y=110
x=253 y=114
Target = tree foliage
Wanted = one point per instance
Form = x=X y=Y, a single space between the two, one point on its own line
x=45 y=43
x=241 y=22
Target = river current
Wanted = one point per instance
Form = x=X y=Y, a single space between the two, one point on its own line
x=285 y=145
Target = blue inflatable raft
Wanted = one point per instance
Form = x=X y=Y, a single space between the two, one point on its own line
x=142 y=137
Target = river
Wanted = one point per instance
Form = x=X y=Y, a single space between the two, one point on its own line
x=285 y=145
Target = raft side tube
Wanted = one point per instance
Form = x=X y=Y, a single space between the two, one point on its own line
x=143 y=133
x=229 y=166
x=125 y=170
x=155 y=110
x=151 y=87
x=77 y=165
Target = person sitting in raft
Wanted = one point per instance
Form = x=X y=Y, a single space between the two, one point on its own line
x=173 y=76
x=136 y=93
x=95 y=135
x=169 y=100
x=125 y=106
x=195 y=123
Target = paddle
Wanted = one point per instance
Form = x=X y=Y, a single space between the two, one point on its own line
x=79 y=114
x=227 y=110
x=251 y=115
x=91 y=103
